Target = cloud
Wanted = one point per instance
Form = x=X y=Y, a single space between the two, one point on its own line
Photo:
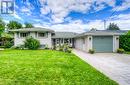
x=122 y=20
x=61 y=8
x=26 y=10
x=58 y=11
x=15 y=15
x=45 y=10
x=121 y=17
x=125 y=5
x=77 y=26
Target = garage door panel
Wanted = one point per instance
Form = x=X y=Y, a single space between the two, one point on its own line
x=103 y=43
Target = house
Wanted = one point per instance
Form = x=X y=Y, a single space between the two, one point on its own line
x=45 y=36
x=99 y=40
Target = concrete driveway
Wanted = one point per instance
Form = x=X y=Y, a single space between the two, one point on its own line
x=115 y=66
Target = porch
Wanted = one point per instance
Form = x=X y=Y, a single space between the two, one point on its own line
x=62 y=41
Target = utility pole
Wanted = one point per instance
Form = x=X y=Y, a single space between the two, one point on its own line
x=104 y=24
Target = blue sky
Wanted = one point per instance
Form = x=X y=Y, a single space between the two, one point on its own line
x=71 y=15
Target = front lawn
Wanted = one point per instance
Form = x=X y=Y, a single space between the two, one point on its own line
x=46 y=67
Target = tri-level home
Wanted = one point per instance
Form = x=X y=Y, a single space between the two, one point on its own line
x=99 y=40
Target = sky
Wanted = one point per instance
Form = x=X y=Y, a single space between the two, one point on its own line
x=71 y=15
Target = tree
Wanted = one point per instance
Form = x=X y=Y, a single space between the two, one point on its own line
x=113 y=26
x=2 y=26
x=128 y=33
x=14 y=25
x=28 y=25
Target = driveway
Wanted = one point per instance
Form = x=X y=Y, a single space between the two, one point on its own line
x=115 y=66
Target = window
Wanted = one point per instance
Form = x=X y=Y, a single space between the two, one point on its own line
x=66 y=40
x=41 y=34
x=57 y=41
x=52 y=34
x=24 y=34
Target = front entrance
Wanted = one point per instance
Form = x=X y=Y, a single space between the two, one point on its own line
x=61 y=41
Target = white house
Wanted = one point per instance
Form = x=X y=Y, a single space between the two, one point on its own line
x=99 y=40
x=45 y=36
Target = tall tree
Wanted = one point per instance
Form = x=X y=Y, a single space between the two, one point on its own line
x=113 y=26
x=14 y=25
x=2 y=26
x=28 y=25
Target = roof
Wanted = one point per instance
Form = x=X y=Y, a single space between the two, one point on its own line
x=35 y=29
x=64 y=35
x=103 y=32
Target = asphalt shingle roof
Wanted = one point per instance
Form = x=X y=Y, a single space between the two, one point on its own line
x=103 y=32
x=64 y=35
x=38 y=29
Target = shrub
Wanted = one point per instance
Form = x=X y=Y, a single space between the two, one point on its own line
x=31 y=43
x=64 y=48
x=120 y=51
x=2 y=46
x=46 y=47
x=91 y=51
x=22 y=47
x=8 y=44
x=125 y=42
x=61 y=47
x=69 y=50
x=57 y=47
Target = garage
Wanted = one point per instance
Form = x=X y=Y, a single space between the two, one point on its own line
x=103 y=43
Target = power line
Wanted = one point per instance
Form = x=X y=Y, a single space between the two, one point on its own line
x=105 y=20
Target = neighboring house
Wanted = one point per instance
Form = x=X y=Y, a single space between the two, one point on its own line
x=99 y=40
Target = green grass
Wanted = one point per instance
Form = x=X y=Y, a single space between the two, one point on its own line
x=46 y=67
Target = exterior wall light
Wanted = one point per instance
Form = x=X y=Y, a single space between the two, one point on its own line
x=90 y=38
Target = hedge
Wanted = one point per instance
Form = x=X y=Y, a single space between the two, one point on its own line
x=125 y=42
